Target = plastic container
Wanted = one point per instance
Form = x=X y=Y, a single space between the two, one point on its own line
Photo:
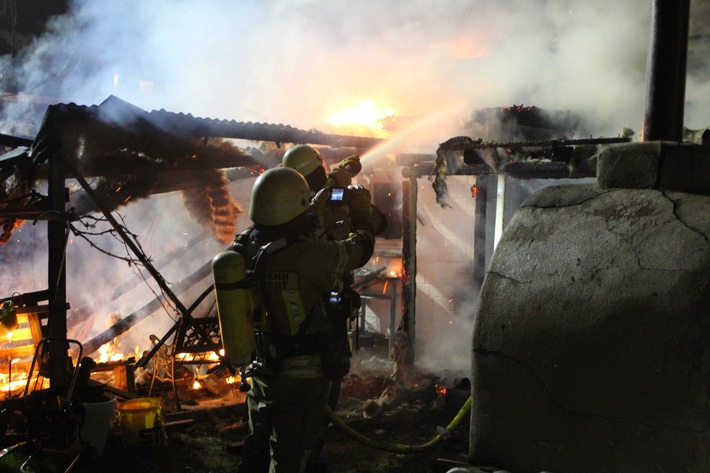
x=142 y=421
x=8 y=318
x=96 y=423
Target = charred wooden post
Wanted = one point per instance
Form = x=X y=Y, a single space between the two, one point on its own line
x=666 y=71
x=57 y=234
x=409 y=254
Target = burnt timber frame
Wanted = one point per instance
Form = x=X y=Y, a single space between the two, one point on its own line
x=59 y=168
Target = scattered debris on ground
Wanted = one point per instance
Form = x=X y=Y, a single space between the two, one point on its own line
x=206 y=434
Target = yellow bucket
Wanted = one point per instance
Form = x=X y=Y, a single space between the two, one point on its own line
x=142 y=421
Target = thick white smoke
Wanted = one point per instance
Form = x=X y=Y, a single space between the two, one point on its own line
x=299 y=62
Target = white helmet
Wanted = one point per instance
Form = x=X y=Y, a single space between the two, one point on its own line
x=279 y=195
x=303 y=158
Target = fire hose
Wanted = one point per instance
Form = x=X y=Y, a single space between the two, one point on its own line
x=395 y=447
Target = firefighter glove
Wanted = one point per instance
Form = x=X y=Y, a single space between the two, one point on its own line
x=339 y=177
x=351 y=164
x=360 y=206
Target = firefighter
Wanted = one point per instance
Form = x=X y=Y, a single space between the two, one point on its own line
x=333 y=224
x=309 y=163
x=293 y=271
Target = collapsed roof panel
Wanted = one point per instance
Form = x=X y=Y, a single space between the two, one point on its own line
x=131 y=153
x=521 y=142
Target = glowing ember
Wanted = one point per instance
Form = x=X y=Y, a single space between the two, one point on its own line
x=210 y=357
x=392 y=266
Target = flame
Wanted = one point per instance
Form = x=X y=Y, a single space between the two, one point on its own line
x=440 y=389
x=107 y=353
x=392 y=266
x=14 y=382
x=210 y=357
x=365 y=114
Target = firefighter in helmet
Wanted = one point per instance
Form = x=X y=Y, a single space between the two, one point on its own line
x=292 y=271
x=334 y=223
x=309 y=163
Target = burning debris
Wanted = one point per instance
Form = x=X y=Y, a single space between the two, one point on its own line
x=533 y=143
x=130 y=154
x=525 y=123
x=186 y=359
x=214 y=208
x=127 y=154
x=405 y=384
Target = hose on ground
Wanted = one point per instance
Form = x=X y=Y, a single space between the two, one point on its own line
x=395 y=447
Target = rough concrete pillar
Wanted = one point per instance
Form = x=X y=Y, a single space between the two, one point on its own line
x=591 y=344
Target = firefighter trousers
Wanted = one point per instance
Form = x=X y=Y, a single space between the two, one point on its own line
x=285 y=419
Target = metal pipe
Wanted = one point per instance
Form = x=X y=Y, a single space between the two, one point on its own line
x=479 y=230
x=57 y=234
x=500 y=208
x=409 y=254
x=133 y=246
x=666 y=69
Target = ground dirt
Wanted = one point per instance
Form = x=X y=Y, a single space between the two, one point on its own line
x=206 y=434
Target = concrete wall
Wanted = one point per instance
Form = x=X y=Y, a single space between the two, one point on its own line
x=590 y=348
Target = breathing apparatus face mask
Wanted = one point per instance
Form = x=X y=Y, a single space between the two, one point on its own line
x=317 y=179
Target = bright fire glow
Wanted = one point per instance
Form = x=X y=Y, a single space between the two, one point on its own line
x=366 y=113
x=107 y=353
x=210 y=357
x=14 y=382
x=392 y=266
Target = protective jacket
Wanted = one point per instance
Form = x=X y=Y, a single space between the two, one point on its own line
x=293 y=282
x=286 y=403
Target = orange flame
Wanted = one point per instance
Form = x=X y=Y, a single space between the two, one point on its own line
x=364 y=114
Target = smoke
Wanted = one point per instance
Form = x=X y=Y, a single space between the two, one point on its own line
x=299 y=62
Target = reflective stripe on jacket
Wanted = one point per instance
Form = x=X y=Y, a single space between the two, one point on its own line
x=304 y=366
